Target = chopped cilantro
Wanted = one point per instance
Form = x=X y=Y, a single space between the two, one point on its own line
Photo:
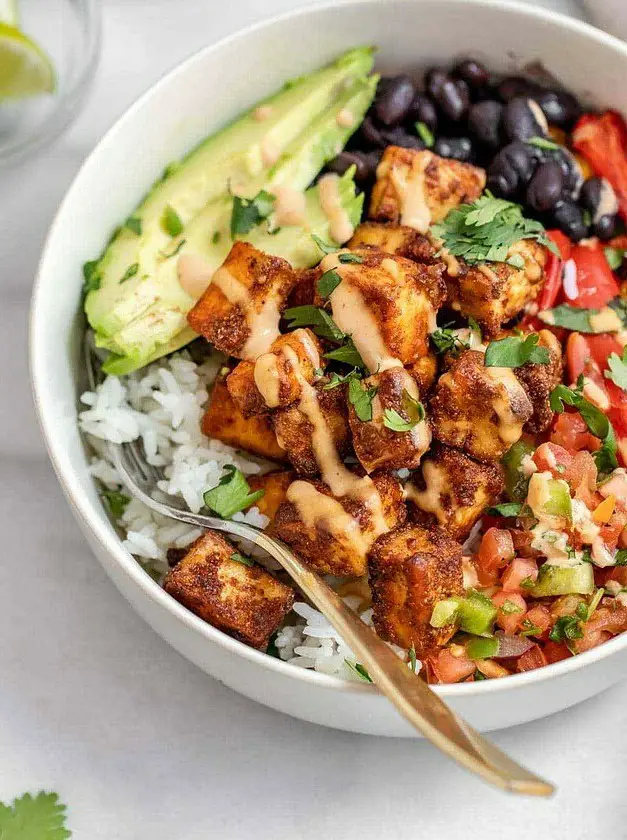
x=424 y=132
x=134 y=224
x=347 y=353
x=91 y=277
x=248 y=213
x=527 y=583
x=337 y=379
x=171 y=221
x=241 y=558
x=414 y=410
x=543 y=143
x=618 y=369
x=614 y=257
x=216 y=237
x=506 y=509
x=473 y=326
x=350 y=258
x=116 y=502
x=361 y=398
x=131 y=271
x=596 y=421
x=567 y=628
x=174 y=251
x=412 y=658
x=232 y=494
x=446 y=340
x=620 y=558
x=478 y=676
x=514 y=352
x=510 y=608
x=329 y=281
x=319 y=320
x=39 y=817
x=324 y=246
x=358 y=669
x=528 y=628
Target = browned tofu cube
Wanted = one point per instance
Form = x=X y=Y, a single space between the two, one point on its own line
x=424 y=371
x=224 y=421
x=275 y=378
x=479 y=409
x=305 y=288
x=418 y=188
x=333 y=534
x=274 y=485
x=539 y=380
x=240 y=310
x=452 y=491
x=295 y=430
x=386 y=303
x=378 y=446
x=411 y=569
x=493 y=293
x=245 y=602
x=394 y=239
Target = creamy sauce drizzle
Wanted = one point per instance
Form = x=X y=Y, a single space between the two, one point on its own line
x=316 y=509
x=270 y=152
x=510 y=427
x=410 y=189
x=263 y=324
x=429 y=499
x=268 y=379
x=263 y=113
x=194 y=274
x=290 y=208
x=340 y=226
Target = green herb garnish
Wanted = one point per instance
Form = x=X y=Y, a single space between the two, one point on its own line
x=116 y=502
x=506 y=509
x=39 y=817
x=361 y=398
x=319 y=320
x=347 y=353
x=216 y=237
x=510 y=608
x=131 y=271
x=446 y=340
x=134 y=224
x=424 y=132
x=566 y=629
x=329 y=281
x=617 y=372
x=241 y=558
x=232 y=494
x=350 y=258
x=543 y=143
x=175 y=250
x=413 y=409
x=515 y=351
x=614 y=257
x=528 y=628
x=248 y=213
x=412 y=658
x=358 y=669
x=527 y=583
x=337 y=379
x=171 y=221
x=324 y=246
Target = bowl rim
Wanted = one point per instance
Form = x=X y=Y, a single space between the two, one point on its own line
x=100 y=528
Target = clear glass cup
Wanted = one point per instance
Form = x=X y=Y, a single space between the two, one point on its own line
x=69 y=32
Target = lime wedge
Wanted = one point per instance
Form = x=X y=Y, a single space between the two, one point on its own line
x=25 y=70
x=8 y=12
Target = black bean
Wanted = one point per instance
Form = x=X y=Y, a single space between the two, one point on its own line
x=484 y=120
x=568 y=217
x=605 y=227
x=472 y=72
x=523 y=119
x=399 y=137
x=362 y=162
x=452 y=98
x=545 y=187
x=573 y=178
x=522 y=157
x=514 y=86
x=559 y=107
x=423 y=110
x=434 y=80
x=590 y=195
x=459 y=148
x=371 y=135
x=393 y=100
x=502 y=181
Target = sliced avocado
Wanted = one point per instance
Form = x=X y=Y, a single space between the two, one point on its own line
x=162 y=327
x=137 y=307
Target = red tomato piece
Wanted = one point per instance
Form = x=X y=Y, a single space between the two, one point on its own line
x=571 y=432
x=552 y=458
x=495 y=551
x=595 y=280
x=518 y=570
x=555 y=652
x=447 y=668
x=602 y=140
x=511 y=610
x=534 y=658
x=540 y=617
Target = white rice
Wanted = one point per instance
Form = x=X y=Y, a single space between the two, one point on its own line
x=162 y=406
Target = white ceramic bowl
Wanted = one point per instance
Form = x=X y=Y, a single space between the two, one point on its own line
x=195 y=99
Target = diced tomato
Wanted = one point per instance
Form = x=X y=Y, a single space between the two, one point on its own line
x=581 y=476
x=612 y=619
x=611 y=532
x=555 y=652
x=495 y=551
x=534 y=658
x=591 y=638
x=602 y=140
x=552 y=290
x=518 y=570
x=571 y=432
x=552 y=458
x=511 y=610
x=522 y=544
x=596 y=283
x=564 y=244
x=539 y=617
x=448 y=668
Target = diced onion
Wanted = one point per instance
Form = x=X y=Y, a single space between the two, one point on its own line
x=511 y=646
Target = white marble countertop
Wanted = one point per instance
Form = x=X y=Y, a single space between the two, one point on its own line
x=137 y=741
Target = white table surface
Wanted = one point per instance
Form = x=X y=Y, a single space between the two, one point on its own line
x=136 y=740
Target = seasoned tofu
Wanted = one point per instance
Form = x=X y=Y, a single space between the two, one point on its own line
x=305 y=287
x=224 y=421
x=274 y=485
x=493 y=293
x=479 y=409
x=424 y=371
x=333 y=534
x=378 y=446
x=387 y=304
x=539 y=380
x=275 y=378
x=452 y=491
x=412 y=568
x=418 y=188
x=295 y=431
x=394 y=239
x=245 y=602
x=240 y=310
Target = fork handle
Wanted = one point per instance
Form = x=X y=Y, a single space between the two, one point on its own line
x=413 y=698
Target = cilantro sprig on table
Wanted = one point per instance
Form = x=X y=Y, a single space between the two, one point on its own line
x=485 y=230
x=39 y=817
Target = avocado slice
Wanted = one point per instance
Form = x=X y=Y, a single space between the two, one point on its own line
x=136 y=305
x=161 y=328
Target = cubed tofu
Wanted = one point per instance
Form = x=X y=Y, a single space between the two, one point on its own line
x=305 y=288
x=452 y=491
x=295 y=431
x=378 y=446
x=274 y=485
x=539 y=380
x=333 y=534
x=394 y=239
x=224 y=421
x=275 y=378
x=240 y=310
x=386 y=303
x=479 y=409
x=245 y=602
x=418 y=188
x=412 y=568
x=493 y=293
x=424 y=371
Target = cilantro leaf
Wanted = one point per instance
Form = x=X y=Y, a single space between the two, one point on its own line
x=248 y=213
x=506 y=509
x=359 y=670
x=319 y=320
x=131 y=271
x=473 y=326
x=620 y=558
x=91 y=277
x=361 y=398
x=424 y=132
x=116 y=502
x=447 y=341
x=41 y=817
x=596 y=421
x=324 y=246
x=543 y=143
x=134 y=224
x=617 y=372
x=485 y=230
x=566 y=629
x=347 y=353
x=171 y=221
x=414 y=410
x=241 y=558
x=350 y=258
x=515 y=351
x=579 y=320
x=232 y=494
x=337 y=379
x=413 y=662
x=614 y=257
x=329 y=281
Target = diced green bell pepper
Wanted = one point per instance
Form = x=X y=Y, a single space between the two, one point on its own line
x=564 y=580
x=476 y=613
x=482 y=648
x=445 y=612
x=549 y=497
x=516 y=482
